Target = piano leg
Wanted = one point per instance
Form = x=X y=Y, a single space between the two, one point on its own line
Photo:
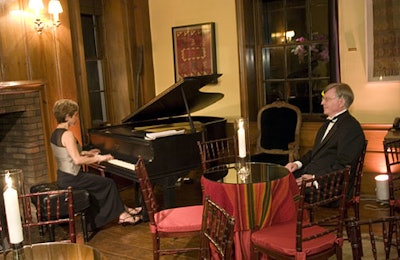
x=168 y=187
x=169 y=192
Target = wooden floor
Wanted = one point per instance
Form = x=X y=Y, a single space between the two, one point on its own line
x=134 y=242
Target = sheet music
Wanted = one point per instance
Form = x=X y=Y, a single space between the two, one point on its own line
x=153 y=136
x=122 y=164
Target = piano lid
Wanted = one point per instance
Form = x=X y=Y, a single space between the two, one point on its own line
x=171 y=102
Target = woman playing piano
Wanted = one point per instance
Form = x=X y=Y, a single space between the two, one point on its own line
x=70 y=158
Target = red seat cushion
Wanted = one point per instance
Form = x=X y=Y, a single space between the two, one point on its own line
x=282 y=238
x=179 y=219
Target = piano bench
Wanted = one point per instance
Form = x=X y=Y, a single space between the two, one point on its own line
x=81 y=205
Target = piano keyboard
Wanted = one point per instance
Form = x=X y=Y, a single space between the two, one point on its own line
x=122 y=164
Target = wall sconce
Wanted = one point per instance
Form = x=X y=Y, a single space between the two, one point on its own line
x=37 y=6
x=54 y=8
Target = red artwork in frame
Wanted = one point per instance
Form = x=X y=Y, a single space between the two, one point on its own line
x=194 y=50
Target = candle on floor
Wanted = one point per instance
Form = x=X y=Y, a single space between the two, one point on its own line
x=13 y=215
x=241 y=139
x=382 y=187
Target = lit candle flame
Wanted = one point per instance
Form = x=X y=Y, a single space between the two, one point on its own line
x=8 y=179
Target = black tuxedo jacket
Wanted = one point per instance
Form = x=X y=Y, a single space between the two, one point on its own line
x=341 y=147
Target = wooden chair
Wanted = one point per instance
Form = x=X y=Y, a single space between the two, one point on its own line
x=168 y=223
x=81 y=204
x=391 y=150
x=217 y=152
x=317 y=237
x=216 y=232
x=49 y=205
x=354 y=201
x=279 y=126
x=382 y=231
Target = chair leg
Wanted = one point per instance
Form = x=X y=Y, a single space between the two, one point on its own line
x=357 y=215
x=84 y=227
x=156 y=247
x=41 y=229
x=52 y=236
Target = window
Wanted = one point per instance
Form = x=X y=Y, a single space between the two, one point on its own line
x=295 y=52
x=94 y=59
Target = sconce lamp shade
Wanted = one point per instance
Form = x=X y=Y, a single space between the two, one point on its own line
x=55 y=7
x=36 y=5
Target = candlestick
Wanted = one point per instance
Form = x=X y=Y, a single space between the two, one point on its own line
x=241 y=139
x=13 y=215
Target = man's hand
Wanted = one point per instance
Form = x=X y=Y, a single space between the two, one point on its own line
x=304 y=177
x=291 y=166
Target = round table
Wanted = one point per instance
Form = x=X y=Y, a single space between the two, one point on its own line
x=56 y=250
x=268 y=195
x=257 y=173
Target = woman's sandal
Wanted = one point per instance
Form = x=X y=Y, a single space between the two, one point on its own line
x=135 y=211
x=126 y=221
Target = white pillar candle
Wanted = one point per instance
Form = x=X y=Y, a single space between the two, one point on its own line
x=241 y=139
x=12 y=213
x=382 y=187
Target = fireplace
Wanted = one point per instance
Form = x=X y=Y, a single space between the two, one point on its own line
x=23 y=138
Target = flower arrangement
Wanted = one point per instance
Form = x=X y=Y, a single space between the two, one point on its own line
x=318 y=51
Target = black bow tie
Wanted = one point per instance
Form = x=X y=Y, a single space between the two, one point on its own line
x=332 y=120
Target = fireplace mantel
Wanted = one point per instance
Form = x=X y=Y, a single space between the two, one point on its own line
x=12 y=87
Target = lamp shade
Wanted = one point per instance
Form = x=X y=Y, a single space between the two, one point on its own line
x=55 y=7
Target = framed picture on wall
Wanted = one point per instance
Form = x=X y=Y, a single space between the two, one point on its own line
x=194 y=50
x=383 y=51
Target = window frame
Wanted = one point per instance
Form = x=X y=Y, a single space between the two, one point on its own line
x=333 y=75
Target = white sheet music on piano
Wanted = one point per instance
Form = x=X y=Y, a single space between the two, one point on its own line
x=122 y=164
x=152 y=136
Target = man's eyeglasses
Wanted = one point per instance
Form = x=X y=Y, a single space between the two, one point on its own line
x=328 y=98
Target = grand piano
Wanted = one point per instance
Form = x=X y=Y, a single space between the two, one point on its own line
x=169 y=157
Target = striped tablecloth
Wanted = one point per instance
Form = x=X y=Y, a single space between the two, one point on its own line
x=254 y=205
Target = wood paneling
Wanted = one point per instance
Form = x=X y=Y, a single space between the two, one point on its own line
x=307 y=135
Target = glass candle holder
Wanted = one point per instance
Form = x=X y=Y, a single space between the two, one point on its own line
x=243 y=148
x=12 y=185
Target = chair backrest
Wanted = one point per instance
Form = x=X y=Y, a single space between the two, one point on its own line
x=216 y=231
x=217 y=152
x=384 y=235
x=391 y=151
x=147 y=190
x=279 y=129
x=322 y=191
x=49 y=205
x=358 y=172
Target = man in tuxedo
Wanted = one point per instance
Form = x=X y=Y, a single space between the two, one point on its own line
x=338 y=143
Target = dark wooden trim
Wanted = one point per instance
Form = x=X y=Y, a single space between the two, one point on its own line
x=370 y=126
x=240 y=16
